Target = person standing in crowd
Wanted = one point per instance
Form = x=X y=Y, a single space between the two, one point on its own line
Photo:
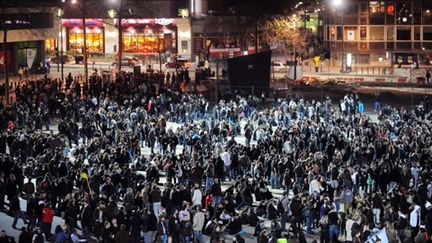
x=47 y=220
x=198 y=224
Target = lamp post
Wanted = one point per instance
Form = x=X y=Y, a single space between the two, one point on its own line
x=113 y=14
x=83 y=11
x=5 y=56
x=337 y=4
x=60 y=16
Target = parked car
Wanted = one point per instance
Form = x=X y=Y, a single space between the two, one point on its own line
x=127 y=61
x=65 y=59
x=179 y=63
x=279 y=67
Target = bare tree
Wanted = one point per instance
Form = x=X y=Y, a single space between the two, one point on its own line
x=286 y=32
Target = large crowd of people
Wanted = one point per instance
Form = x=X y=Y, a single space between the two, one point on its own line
x=343 y=177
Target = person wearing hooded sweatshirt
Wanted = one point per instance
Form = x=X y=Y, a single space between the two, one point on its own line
x=414 y=219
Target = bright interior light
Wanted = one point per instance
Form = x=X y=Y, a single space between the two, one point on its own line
x=337 y=2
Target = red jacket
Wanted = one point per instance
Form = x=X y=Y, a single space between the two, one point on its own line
x=47 y=215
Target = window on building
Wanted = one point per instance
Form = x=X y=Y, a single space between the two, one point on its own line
x=404 y=12
x=390 y=12
x=403 y=33
x=416 y=33
x=376 y=12
x=427 y=11
x=332 y=33
x=363 y=8
x=363 y=59
x=94 y=42
x=376 y=46
x=339 y=33
x=50 y=45
x=376 y=33
x=351 y=33
x=390 y=33
x=417 y=10
x=427 y=33
x=363 y=33
x=350 y=13
x=376 y=7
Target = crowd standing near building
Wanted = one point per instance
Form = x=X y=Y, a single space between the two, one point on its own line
x=344 y=177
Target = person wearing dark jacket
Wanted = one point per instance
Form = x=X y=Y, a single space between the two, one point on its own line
x=174 y=227
x=87 y=220
x=162 y=229
x=122 y=235
x=16 y=209
x=25 y=236
x=216 y=192
x=150 y=226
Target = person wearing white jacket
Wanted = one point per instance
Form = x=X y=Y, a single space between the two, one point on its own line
x=196 y=197
x=414 y=219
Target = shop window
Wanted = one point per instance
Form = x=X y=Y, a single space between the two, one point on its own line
x=50 y=45
x=403 y=33
x=146 y=41
x=427 y=33
x=94 y=40
x=376 y=33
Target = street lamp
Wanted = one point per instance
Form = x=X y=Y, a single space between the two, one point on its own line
x=339 y=4
x=60 y=16
x=117 y=13
x=83 y=9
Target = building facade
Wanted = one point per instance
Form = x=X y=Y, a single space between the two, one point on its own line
x=30 y=34
x=147 y=28
x=383 y=32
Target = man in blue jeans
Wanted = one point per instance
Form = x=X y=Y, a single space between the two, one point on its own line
x=163 y=229
x=198 y=224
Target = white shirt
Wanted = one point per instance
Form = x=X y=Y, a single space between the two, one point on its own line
x=196 y=197
x=415 y=217
x=226 y=157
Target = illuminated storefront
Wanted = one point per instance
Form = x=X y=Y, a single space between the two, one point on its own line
x=140 y=36
x=75 y=35
x=149 y=35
